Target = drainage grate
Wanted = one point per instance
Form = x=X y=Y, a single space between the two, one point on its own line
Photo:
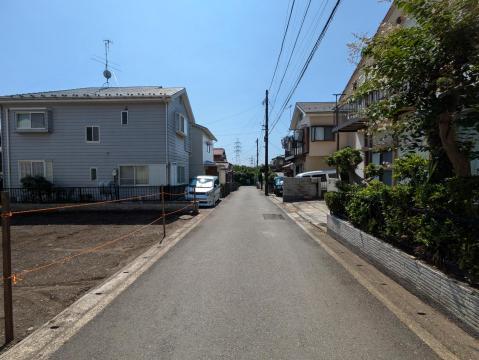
x=273 y=217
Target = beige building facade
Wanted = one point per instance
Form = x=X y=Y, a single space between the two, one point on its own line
x=311 y=140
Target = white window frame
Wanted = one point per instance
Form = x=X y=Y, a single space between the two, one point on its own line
x=208 y=147
x=127 y=117
x=181 y=124
x=86 y=134
x=134 y=174
x=31 y=167
x=96 y=174
x=178 y=180
x=30 y=112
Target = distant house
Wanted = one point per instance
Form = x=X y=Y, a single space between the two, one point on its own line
x=129 y=136
x=219 y=155
x=277 y=163
x=224 y=170
x=201 y=160
x=312 y=139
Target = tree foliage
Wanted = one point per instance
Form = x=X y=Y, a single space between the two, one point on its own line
x=245 y=175
x=346 y=160
x=429 y=72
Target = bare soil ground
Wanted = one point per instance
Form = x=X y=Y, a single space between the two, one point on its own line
x=40 y=239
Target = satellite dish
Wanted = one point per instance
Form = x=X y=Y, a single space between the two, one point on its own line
x=107 y=74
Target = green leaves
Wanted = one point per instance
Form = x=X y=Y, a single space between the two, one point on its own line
x=429 y=68
x=346 y=159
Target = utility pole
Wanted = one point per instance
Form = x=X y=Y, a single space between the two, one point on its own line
x=266 y=130
x=336 y=121
x=257 y=152
x=336 y=118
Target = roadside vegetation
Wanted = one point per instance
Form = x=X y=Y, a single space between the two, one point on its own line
x=429 y=76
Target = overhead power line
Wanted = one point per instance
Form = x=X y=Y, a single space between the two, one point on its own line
x=306 y=64
x=291 y=55
x=234 y=115
x=282 y=43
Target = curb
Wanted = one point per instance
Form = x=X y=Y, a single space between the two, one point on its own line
x=52 y=335
x=443 y=343
x=302 y=214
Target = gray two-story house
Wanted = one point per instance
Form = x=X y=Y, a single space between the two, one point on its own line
x=128 y=136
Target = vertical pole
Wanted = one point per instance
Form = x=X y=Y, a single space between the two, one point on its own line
x=257 y=152
x=7 y=268
x=195 y=205
x=266 y=130
x=163 y=212
x=336 y=121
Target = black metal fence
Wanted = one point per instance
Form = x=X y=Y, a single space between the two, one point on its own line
x=96 y=194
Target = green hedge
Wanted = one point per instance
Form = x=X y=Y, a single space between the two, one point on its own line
x=436 y=222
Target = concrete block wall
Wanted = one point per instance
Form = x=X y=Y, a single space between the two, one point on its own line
x=455 y=298
x=299 y=189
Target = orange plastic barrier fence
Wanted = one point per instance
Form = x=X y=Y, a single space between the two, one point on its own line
x=18 y=276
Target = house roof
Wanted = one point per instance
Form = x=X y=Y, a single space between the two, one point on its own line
x=218 y=151
x=317 y=106
x=206 y=131
x=311 y=107
x=132 y=93
x=100 y=92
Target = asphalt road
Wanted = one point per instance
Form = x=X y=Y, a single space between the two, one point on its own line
x=242 y=286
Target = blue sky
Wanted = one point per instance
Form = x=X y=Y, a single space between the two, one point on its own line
x=222 y=51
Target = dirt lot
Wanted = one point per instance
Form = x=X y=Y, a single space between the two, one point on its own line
x=39 y=239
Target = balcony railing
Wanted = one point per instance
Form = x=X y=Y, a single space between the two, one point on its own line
x=352 y=113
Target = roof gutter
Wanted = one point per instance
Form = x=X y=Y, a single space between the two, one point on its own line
x=43 y=100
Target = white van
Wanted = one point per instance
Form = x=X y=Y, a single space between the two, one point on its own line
x=207 y=189
x=328 y=178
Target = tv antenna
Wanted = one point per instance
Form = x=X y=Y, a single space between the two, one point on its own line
x=106 y=72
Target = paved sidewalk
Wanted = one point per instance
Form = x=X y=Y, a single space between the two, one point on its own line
x=313 y=211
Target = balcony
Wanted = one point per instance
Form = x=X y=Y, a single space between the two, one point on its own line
x=293 y=145
x=351 y=114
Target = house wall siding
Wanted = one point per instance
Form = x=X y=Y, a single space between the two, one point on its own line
x=196 y=158
x=322 y=148
x=142 y=141
x=179 y=147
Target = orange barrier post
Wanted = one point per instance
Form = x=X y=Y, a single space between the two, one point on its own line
x=7 y=267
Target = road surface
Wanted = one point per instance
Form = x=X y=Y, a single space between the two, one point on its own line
x=245 y=284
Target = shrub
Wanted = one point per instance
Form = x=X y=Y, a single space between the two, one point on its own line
x=336 y=202
x=400 y=222
x=449 y=225
x=346 y=160
x=36 y=183
x=373 y=170
x=365 y=206
x=411 y=168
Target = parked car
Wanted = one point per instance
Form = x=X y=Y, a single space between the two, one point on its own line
x=328 y=178
x=278 y=185
x=206 y=189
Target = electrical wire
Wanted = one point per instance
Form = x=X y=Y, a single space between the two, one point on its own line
x=290 y=55
x=282 y=44
x=306 y=64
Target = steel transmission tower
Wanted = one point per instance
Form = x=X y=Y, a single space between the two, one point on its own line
x=237 y=151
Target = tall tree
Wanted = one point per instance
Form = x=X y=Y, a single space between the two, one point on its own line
x=429 y=67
